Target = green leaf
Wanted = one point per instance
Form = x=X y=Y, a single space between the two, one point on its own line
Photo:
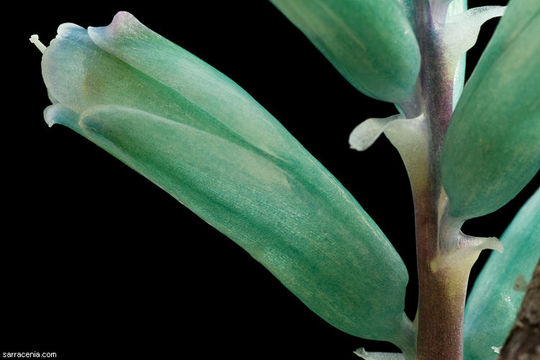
x=370 y=42
x=204 y=140
x=492 y=147
x=493 y=303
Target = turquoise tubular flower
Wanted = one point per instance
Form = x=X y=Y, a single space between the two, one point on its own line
x=492 y=147
x=494 y=300
x=370 y=42
x=200 y=137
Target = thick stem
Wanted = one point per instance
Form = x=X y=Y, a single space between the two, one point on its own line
x=445 y=256
x=445 y=259
x=442 y=291
x=436 y=81
x=442 y=284
x=440 y=317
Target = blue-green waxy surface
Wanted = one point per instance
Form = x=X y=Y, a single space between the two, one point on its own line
x=457 y=7
x=492 y=147
x=370 y=42
x=493 y=303
x=200 y=137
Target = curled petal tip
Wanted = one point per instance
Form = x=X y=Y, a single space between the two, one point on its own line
x=59 y=114
x=118 y=22
x=49 y=122
x=48 y=116
x=70 y=31
x=122 y=15
x=121 y=18
x=122 y=23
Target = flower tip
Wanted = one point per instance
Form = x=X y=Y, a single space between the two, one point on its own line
x=122 y=14
x=59 y=114
x=49 y=122
x=122 y=17
x=122 y=22
x=356 y=147
x=70 y=31
x=48 y=116
x=34 y=39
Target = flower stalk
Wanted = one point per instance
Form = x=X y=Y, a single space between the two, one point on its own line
x=445 y=256
x=442 y=289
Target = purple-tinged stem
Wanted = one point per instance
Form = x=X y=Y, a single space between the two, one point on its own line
x=442 y=286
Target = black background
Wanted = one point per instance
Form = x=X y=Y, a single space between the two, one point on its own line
x=96 y=262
